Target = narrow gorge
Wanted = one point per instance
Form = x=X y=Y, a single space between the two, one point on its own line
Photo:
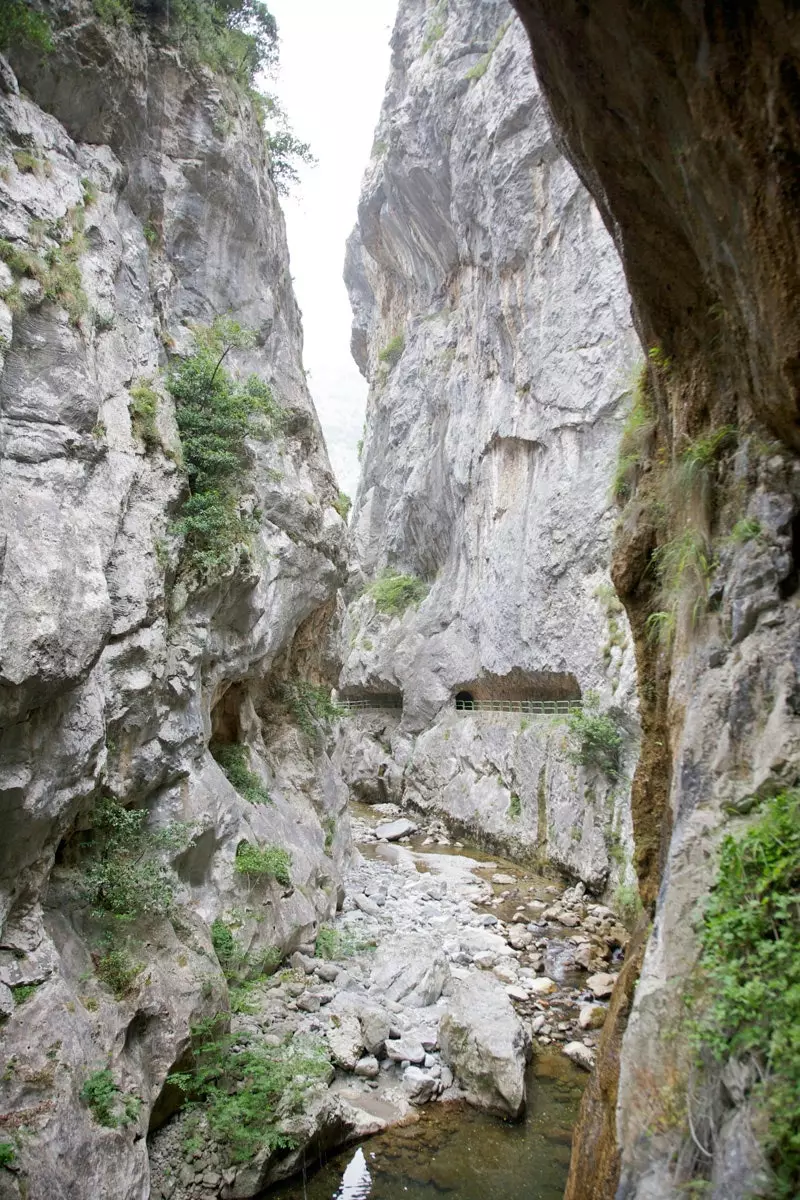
x=451 y=844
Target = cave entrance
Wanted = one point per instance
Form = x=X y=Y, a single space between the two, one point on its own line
x=359 y=699
x=520 y=691
x=464 y=700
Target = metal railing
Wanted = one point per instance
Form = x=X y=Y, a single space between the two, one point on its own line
x=551 y=707
x=373 y=702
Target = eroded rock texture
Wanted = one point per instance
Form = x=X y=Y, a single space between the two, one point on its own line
x=491 y=319
x=687 y=131
x=115 y=674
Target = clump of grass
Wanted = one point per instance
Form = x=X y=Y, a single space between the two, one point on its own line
x=393 y=592
x=143 y=409
x=271 y=861
x=435 y=25
x=750 y=973
x=109 y=1105
x=7 y=1154
x=684 y=566
x=343 y=504
x=515 y=807
x=117 y=970
x=232 y=758
x=703 y=452
x=393 y=350
x=89 y=191
x=30 y=163
x=23 y=991
x=637 y=433
x=332 y=943
x=746 y=530
x=482 y=65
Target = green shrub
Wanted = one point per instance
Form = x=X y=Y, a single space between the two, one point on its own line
x=240 y=1086
x=515 y=807
x=124 y=876
x=89 y=191
x=23 y=991
x=109 y=1105
x=393 y=593
x=117 y=970
x=393 y=350
x=7 y=1154
x=272 y=861
x=343 y=504
x=143 y=408
x=232 y=758
x=285 y=150
x=20 y=25
x=599 y=741
x=332 y=943
x=311 y=706
x=746 y=530
x=627 y=904
x=215 y=414
x=435 y=25
x=113 y=12
x=750 y=968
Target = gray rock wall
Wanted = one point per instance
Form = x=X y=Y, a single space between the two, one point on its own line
x=491 y=320
x=112 y=670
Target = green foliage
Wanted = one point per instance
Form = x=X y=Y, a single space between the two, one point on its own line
x=113 y=12
x=109 y=1105
x=232 y=758
x=393 y=350
x=150 y=234
x=23 y=991
x=482 y=65
x=240 y=1085
x=311 y=706
x=627 y=904
x=599 y=741
x=684 y=567
x=636 y=434
x=515 y=807
x=750 y=965
x=272 y=861
x=285 y=151
x=332 y=943
x=89 y=191
x=659 y=359
x=7 y=1154
x=117 y=970
x=21 y=25
x=660 y=626
x=343 y=504
x=143 y=409
x=28 y=162
x=746 y=530
x=215 y=414
x=125 y=876
x=435 y=25
x=393 y=593
x=703 y=452
x=58 y=271
x=225 y=945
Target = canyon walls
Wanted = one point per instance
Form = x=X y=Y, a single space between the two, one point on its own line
x=687 y=130
x=491 y=320
x=133 y=215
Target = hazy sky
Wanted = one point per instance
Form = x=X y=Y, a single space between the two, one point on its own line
x=334 y=66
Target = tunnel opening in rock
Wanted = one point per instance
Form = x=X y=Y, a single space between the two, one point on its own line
x=225 y=715
x=355 y=698
x=520 y=691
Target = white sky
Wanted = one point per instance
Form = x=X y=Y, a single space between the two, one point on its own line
x=334 y=67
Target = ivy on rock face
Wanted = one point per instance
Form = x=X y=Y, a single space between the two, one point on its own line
x=749 y=1007
x=215 y=414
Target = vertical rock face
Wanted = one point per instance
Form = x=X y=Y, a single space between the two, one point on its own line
x=491 y=320
x=114 y=671
x=687 y=132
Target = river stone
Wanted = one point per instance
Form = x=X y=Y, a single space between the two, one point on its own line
x=370 y=907
x=405 y=1049
x=485 y=1043
x=419 y=1085
x=592 y=1016
x=601 y=985
x=345 y=1040
x=579 y=1054
x=411 y=970
x=542 y=987
x=392 y=831
x=367 y=1067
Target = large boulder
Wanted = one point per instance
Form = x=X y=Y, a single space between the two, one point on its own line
x=486 y=1044
x=411 y=970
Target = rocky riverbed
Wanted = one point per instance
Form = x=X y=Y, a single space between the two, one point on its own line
x=440 y=977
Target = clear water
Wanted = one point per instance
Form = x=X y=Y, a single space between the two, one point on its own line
x=457 y=1151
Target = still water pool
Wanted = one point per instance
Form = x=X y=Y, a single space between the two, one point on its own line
x=460 y=1152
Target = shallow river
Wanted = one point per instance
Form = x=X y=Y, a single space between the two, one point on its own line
x=454 y=1150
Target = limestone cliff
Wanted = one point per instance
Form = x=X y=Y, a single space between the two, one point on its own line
x=491 y=320
x=132 y=212
x=687 y=132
